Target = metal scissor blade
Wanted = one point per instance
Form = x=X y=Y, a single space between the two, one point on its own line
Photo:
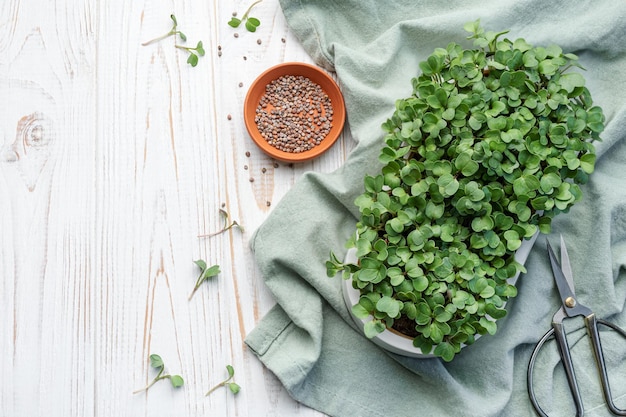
x=566 y=267
x=565 y=290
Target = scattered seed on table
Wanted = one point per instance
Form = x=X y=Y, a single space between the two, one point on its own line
x=268 y=203
x=245 y=58
x=251 y=179
x=276 y=165
x=264 y=170
x=236 y=35
x=219 y=53
x=229 y=117
x=234 y=14
x=258 y=41
x=240 y=84
x=245 y=167
x=294 y=115
x=248 y=154
x=283 y=40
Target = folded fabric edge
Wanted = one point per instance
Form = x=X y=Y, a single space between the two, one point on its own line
x=308 y=36
x=271 y=341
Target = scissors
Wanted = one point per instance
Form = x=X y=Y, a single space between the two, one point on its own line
x=572 y=308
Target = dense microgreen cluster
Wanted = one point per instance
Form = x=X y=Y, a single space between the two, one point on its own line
x=157 y=363
x=492 y=144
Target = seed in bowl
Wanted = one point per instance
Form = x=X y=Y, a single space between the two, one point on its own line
x=295 y=114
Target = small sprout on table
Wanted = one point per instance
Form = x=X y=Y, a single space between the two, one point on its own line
x=173 y=32
x=227 y=226
x=251 y=23
x=232 y=386
x=157 y=363
x=193 y=52
x=205 y=274
x=193 y=58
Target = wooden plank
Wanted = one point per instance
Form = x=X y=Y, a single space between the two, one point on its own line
x=114 y=157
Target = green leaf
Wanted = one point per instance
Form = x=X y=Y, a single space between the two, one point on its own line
x=177 y=381
x=445 y=351
x=156 y=361
x=448 y=184
x=525 y=184
x=420 y=283
x=201 y=264
x=587 y=162
x=434 y=211
x=372 y=270
x=547 y=67
x=210 y=272
x=465 y=164
x=192 y=59
x=363 y=247
x=389 y=306
x=359 y=311
x=252 y=23
x=488 y=292
x=234 y=22
x=549 y=182
x=482 y=223
x=373 y=328
x=488 y=325
x=234 y=388
x=230 y=370
x=494 y=312
x=200 y=49
x=570 y=81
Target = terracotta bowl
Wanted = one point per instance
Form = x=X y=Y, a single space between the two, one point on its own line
x=318 y=76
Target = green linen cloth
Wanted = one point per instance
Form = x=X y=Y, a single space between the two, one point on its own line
x=308 y=339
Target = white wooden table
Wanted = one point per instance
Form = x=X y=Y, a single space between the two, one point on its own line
x=113 y=158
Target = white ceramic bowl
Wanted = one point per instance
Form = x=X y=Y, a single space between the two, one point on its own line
x=395 y=342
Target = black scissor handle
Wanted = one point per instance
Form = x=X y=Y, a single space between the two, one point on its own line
x=558 y=332
x=592 y=328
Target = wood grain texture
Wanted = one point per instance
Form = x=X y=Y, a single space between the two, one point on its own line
x=114 y=157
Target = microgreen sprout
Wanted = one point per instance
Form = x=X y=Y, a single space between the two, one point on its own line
x=193 y=52
x=173 y=32
x=206 y=273
x=193 y=57
x=251 y=23
x=232 y=386
x=157 y=363
x=227 y=226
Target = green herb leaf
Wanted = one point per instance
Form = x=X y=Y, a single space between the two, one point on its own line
x=205 y=274
x=251 y=23
x=157 y=362
x=232 y=386
x=373 y=328
x=177 y=381
x=234 y=22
